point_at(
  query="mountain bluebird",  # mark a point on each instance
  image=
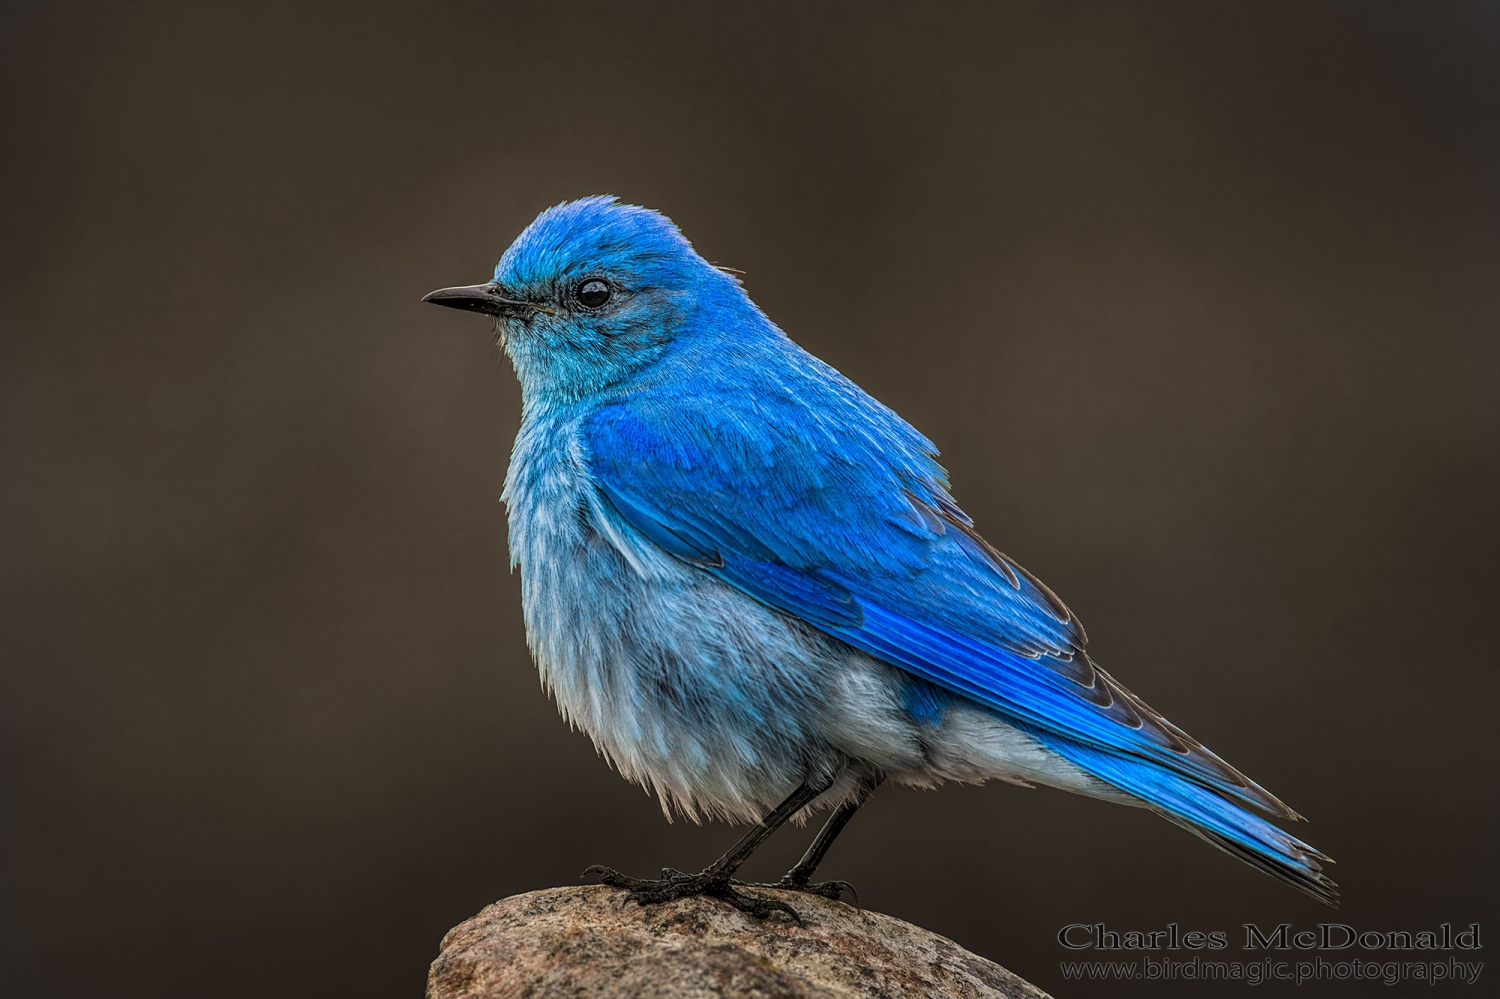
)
(747, 581)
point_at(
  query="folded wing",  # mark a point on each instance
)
(848, 525)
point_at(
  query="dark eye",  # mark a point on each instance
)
(593, 293)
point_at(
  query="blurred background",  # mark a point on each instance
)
(1199, 300)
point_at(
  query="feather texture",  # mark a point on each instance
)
(738, 565)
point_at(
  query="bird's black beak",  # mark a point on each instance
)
(485, 298)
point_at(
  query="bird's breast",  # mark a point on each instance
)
(590, 587)
(687, 685)
(544, 492)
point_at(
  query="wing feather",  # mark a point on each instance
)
(852, 530)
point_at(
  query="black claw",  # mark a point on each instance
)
(761, 908)
(611, 877)
(833, 890)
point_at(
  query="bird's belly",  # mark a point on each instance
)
(709, 699)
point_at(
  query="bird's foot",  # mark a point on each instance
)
(824, 889)
(674, 884)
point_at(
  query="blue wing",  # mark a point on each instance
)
(817, 501)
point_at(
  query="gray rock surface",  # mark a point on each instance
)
(582, 942)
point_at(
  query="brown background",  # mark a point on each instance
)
(1200, 301)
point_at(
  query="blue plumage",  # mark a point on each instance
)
(742, 575)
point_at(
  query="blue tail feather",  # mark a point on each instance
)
(1207, 815)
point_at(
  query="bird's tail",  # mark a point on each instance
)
(1205, 814)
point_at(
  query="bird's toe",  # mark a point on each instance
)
(674, 884)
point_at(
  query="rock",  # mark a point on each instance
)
(582, 942)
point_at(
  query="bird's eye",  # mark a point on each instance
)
(593, 294)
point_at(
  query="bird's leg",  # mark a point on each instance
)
(798, 878)
(717, 880)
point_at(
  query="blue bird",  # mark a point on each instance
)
(747, 581)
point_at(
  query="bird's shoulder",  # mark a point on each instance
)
(783, 453)
(759, 410)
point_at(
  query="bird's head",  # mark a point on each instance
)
(591, 291)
